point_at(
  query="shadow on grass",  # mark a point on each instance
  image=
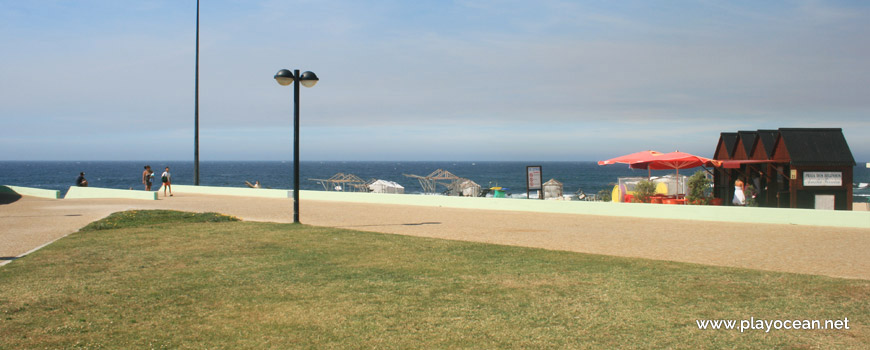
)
(9, 198)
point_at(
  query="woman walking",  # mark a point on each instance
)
(167, 182)
(147, 177)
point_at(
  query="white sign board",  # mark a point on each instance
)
(533, 177)
(823, 178)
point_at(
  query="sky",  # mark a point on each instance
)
(425, 80)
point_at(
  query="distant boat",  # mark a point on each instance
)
(863, 185)
(868, 165)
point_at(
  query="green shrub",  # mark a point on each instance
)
(606, 194)
(643, 190)
(699, 186)
(750, 193)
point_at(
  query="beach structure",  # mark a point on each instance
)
(552, 189)
(442, 177)
(468, 188)
(385, 186)
(651, 160)
(787, 167)
(343, 182)
(673, 186)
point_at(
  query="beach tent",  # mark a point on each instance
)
(384, 186)
(469, 188)
(552, 189)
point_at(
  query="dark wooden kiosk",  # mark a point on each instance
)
(788, 167)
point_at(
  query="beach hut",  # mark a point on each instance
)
(807, 168)
(725, 147)
(384, 186)
(469, 188)
(553, 189)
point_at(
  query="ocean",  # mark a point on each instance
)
(575, 176)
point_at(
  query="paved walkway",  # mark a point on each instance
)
(29, 223)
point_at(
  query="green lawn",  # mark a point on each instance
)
(159, 279)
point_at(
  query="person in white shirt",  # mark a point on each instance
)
(739, 196)
(167, 182)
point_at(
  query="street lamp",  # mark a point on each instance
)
(196, 106)
(308, 79)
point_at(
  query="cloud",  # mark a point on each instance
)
(435, 77)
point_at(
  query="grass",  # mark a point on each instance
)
(171, 280)
(153, 218)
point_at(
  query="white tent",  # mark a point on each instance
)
(384, 186)
(553, 189)
(469, 188)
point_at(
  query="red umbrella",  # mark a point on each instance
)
(674, 160)
(631, 158)
(652, 160)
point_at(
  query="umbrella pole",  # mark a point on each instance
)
(679, 185)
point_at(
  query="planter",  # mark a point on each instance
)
(716, 201)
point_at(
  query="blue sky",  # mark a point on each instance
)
(425, 80)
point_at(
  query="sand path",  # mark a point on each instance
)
(30, 222)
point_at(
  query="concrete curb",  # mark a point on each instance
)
(808, 217)
(28, 191)
(97, 192)
(232, 191)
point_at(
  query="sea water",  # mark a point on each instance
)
(576, 176)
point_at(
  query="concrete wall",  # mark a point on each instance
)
(811, 217)
(231, 191)
(97, 192)
(28, 191)
(837, 218)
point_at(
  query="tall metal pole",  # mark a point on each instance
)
(296, 146)
(196, 107)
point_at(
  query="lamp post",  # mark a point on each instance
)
(308, 79)
(196, 106)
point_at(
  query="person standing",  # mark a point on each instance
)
(80, 181)
(739, 196)
(147, 177)
(167, 182)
